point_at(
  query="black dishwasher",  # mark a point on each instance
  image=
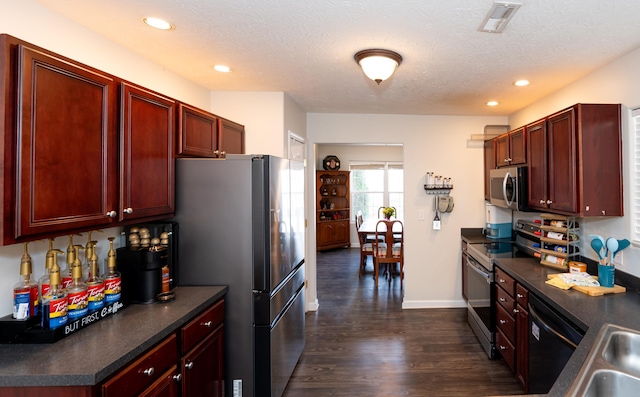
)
(552, 341)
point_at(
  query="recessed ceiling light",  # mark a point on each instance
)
(521, 83)
(492, 103)
(222, 68)
(158, 23)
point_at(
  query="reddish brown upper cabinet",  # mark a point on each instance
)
(197, 132)
(231, 138)
(60, 118)
(575, 161)
(146, 159)
(489, 164)
(511, 148)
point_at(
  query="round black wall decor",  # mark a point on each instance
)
(331, 163)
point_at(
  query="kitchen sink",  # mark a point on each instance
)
(612, 367)
(607, 383)
(623, 351)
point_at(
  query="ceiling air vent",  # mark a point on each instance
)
(499, 16)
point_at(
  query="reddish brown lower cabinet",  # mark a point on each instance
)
(512, 324)
(203, 367)
(168, 385)
(332, 234)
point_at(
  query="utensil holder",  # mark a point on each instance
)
(606, 275)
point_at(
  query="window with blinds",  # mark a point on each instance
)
(635, 188)
(376, 184)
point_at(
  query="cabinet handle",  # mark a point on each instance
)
(509, 159)
(189, 365)
(502, 300)
(549, 202)
(502, 280)
(503, 322)
(503, 347)
(111, 214)
(208, 324)
(223, 154)
(128, 210)
(520, 295)
(516, 311)
(149, 371)
(542, 202)
(506, 160)
(177, 377)
(216, 152)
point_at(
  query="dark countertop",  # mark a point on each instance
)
(94, 353)
(473, 235)
(588, 312)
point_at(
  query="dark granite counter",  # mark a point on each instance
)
(473, 235)
(94, 353)
(587, 312)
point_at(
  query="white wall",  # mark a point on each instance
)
(29, 21)
(618, 82)
(430, 143)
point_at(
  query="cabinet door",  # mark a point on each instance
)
(562, 161)
(342, 232)
(66, 146)
(518, 147)
(326, 234)
(203, 367)
(489, 164)
(537, 155)
(231, 137)
(522, 347)
(146, 161)
(197, 132)
(166, 386)
(502, 150)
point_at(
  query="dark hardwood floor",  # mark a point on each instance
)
(361, 343)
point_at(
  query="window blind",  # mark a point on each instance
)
(635, 188)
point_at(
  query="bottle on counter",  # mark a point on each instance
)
(112, 277)
(89, 248)
(95, 283)
(77, 292)
(65, 274)
(25, 292)
(54, 303)
(44, 283)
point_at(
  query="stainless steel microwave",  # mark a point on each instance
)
(508, 187)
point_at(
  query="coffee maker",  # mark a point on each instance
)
(148, 261)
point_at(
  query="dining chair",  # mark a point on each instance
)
(366, 246)
(389, 250)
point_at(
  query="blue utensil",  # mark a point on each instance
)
(598, 244)
(612, 247)
(622, 244)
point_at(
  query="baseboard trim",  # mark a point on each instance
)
(313, 306)
(420, 304)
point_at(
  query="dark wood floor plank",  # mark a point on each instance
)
(362, 343)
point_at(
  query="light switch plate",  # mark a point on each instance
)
(420, 215)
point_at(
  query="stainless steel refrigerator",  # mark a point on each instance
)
(242, 225)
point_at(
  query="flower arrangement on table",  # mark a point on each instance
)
(388, 212)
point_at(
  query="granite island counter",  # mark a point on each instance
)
(93, 354)
(587, 312)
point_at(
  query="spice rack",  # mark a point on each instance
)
(560, 240)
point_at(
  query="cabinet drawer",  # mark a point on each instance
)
(504, 299)
(144, 371)
(199, 327)
(506, 349)
(506, 323)
(522, 296)
(505, 281)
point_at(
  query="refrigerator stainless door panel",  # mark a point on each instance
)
(286, 338)
(267, 307)
(297, 212)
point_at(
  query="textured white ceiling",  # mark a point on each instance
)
(305, 47)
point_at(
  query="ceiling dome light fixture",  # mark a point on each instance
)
(158, 23)
(521, 83)
(378, 64)
(222, 68)
(492, 103)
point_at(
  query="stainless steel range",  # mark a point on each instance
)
(480, 289)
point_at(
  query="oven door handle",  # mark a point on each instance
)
(478, 268)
